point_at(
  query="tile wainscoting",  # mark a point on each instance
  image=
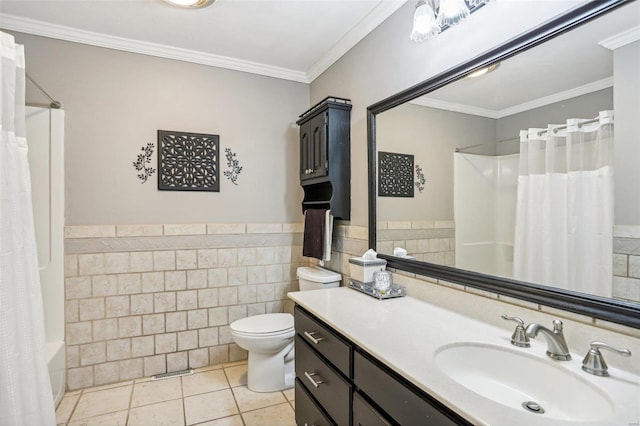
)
(150, 299)
(626, 263)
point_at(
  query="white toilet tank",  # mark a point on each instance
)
(314, 278)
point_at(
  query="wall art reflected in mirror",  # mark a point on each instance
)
(531, 168)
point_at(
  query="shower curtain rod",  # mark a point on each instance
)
(54, 104)
(482, 144)
(564, 126)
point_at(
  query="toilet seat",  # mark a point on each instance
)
(264, 325)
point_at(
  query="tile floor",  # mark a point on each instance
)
(212, 396)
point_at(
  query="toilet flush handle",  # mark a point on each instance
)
(311, 336)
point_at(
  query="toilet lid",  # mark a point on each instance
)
(266, 323)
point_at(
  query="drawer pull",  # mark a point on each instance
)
(311, 336)
(315, 383)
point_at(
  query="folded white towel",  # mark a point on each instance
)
(399, 251)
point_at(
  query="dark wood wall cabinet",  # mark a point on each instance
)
(338, 383)
(325, 156)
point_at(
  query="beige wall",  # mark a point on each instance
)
(626, 68)
(431, 136)
(116, 101)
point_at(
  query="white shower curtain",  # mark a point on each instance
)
(564, 212)
(25, 389)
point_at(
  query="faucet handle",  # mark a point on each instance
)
(519, 337)
(593, 362)
(557, 326)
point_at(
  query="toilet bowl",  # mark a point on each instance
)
(269, 338)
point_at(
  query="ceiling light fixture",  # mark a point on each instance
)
(190, 4)
(433, 16)
(484, 70)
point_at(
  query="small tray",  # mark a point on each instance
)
(368, 289)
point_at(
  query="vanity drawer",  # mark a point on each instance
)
(403, 404)
(307, 412)
(326, 385)
(364, 414)
(323, 340)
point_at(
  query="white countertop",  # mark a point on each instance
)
(405, 333)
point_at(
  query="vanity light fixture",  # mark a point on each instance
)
(433, 16)
(190, 4)
(424, 22)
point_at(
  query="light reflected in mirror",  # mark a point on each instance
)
(478, 206)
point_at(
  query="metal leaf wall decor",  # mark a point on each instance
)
(395, 173)
(188, 161)
(141, 162)
(420, 179)
(234, 166)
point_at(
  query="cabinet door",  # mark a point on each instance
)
(313, 147)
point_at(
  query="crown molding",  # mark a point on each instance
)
(378, 14)
(621, 39)
(557, 97)
(451, 106)
(45, 29)
(536, 103)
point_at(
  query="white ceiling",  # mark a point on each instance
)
(290, 39)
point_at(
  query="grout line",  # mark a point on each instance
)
(184, 405)
(130, 402)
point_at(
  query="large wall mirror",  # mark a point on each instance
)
(524, 180)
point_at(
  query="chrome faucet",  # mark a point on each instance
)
(556, 344)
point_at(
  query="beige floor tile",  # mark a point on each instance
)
(234, 363)
(293, 404)
(208, 368)
(278, 415)
(290, 394)
(249, 400)
(118, 418)
(208, 381)
(237, 375)
(168, 413)
(156, 391)
(109, 386)
(65, 408)
(209, 406)
(93, 404)
(227, 421)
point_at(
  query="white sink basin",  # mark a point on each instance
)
(513, 377)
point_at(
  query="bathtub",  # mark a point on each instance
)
(56, 364)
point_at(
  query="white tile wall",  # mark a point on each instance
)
(149, 310)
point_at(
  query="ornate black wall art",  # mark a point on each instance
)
(188, 161)
(234, 166)
(420, 179)
(395, 173)
(141, 163)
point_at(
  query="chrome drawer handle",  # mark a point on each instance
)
(315, 383)
(311, 336)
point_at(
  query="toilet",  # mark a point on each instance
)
(269, 337)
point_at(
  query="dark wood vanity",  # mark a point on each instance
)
(338, 383)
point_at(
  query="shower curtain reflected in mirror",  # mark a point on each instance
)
(564, 213)
(25, 389)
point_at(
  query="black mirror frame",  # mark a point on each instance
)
(620, 312)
